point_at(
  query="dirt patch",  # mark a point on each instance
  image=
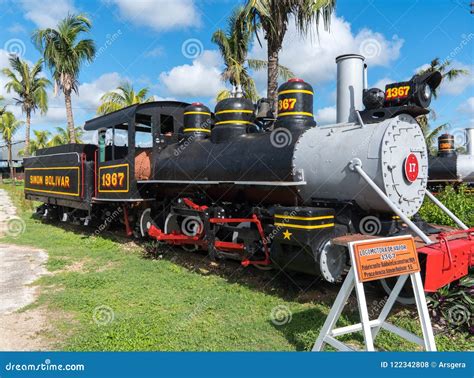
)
(81, 266)
(76, 266)
(20, 267)
(23, 331)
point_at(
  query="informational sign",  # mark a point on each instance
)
(53, 180)
(386, 257)
(114, 178)
(372, 260)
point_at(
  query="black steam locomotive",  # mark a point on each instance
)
(240, 185)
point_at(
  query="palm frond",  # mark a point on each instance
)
(222, 95)
(122, 97)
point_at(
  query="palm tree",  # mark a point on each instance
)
(122, 97)
(62, 136)
(41, 140)
(273, 17)
(234, 45)
(30, 87)
(448, 73)
(9, 125)
(431, 136)
(2, 107)
(64, 55)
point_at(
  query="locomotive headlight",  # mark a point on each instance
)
(425, 84)
(418, 91)
(427, 92)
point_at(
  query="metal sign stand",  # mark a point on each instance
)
(370, 328)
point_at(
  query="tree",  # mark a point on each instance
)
(2, 107)
(273, 17)
(233, 45)
(62, 136)
(41, 140)
(122, 97)
(431, 136)
(64, 55)
(30, 87)
(448, 73)
(8, 127)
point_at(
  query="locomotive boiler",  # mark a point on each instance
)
(238, 184)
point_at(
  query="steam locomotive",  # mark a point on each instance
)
(239, 184)
(451, 167)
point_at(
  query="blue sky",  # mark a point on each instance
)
(166, 45)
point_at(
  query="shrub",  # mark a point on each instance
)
(458, 201)
(452, 306)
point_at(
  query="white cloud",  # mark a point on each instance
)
(157, 51)
(459, 84)
(159, 14)
(4, 56)
(47, 13)
(16, 28)
(421, 68)
(90, 93)
(467, 106)
(199, 79)
(382, 83)
(313, 58)
(326, 116)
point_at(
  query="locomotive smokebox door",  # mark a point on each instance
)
(302, 242)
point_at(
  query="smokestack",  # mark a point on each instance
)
(470, 141)
(350, 86)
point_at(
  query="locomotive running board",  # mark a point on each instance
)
(208, 182)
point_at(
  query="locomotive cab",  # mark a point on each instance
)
(128, 141)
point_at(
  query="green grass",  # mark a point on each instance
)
(171, 304)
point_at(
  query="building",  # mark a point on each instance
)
(17, 159)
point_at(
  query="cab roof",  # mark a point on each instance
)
(142, 113)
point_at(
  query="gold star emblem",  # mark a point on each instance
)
(287, 234)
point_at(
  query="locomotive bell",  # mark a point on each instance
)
(197, 120)
(233, 117)
(295, 105)
(373, 98)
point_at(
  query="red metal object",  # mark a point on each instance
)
(254, 219)
(411, 168)
(193, 205)
(176, 238)
(228, 246)
(449, 259)
(128, 230)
